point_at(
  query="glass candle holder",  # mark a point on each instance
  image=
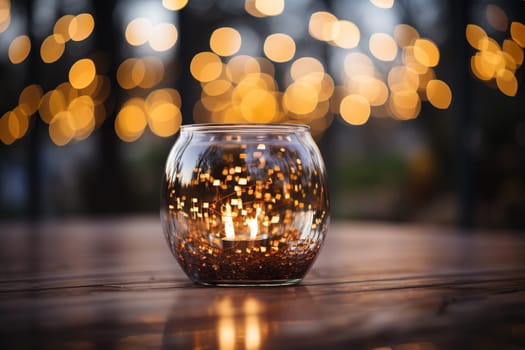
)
(245, 204)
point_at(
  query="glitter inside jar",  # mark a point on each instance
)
(244, 204)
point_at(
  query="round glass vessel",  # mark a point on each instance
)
(245, 204)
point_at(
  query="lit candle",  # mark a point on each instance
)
(242, 242)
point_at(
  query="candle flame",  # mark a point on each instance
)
(253, 224)
(229, 229)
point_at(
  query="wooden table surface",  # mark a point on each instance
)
(113, 284)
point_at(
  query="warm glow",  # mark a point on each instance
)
(82, 73)
(124, 74)
(225, 41)
(383, 47)
(405, 35)
(321, 24)
(5, 134)
(304, 66)
(138, 31)
(249, 6)
(130, 121)
(29, 99)
(238, 67)
(279, 47)
(19, 49)
(439, 94)
(162, 96)
(426, 52)
(81, 26)
(517, 31)
(82, 111)
(384, 4)
(5, 15)
(507, 82)
(164, 119)
(497, 18)
(17, 123)
(61, 128)
(163, 37)
(475, 34)
(372, 89)
(300, 98)
(322, 82)
(356, 63)
(259, 106)
(206, 66)
(345, 34)
(174, 5)
(217, 87)
(405, 104)
(409, 60)
(52, 48)
(153, 72)
(61, 28)
(514, 50)
(355, 109)
(403, 78)
(270, 7)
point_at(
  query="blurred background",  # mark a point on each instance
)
(417, 105)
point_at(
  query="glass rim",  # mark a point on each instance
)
(243, 127)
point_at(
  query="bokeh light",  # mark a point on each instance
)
(279, 47)
(270, 7)
(439, 94)
(174, 5)
(163, 37)
(138, 31)
(206, 66)
(384, 4)
(355, 109)
(81, 26)
(383, 46)
(19, 49)
(82, 73)
(517, 31)
(225, 41)
(52, 48)
(345, 34)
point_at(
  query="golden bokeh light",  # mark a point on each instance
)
(439, 94)
(517, 32)
(404, 105)
(355, 109)
(52, 48)
(17, 123)
(507, 82)
(19, 49)
(61, 128)
(217, 87)
(162, 96)
(279, 47)
(426, 52)
(82, 73)
(81, 26)
(238, 67)
(154, 72)
(82, 110)
(300, 98)
(405, 35)
(259, 106)
(131, 120)
(514, 50)
(321, 24)
(249, 7)
(163, 37)
(140, 72)
(383, 46)
(322, 82)
(357, 63)
(270, 7)
(5, 15)
(138, 31)
(206, 66)
(304, 66)
(29, 99)
(225, 41)
(345, 34)
(164, 119)
(384, 4)
(497, 18)
(475, 35)
(61, 28)
(408, 57)
(174, 5)
(5, 135)
(372, 89)
(403, 78)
